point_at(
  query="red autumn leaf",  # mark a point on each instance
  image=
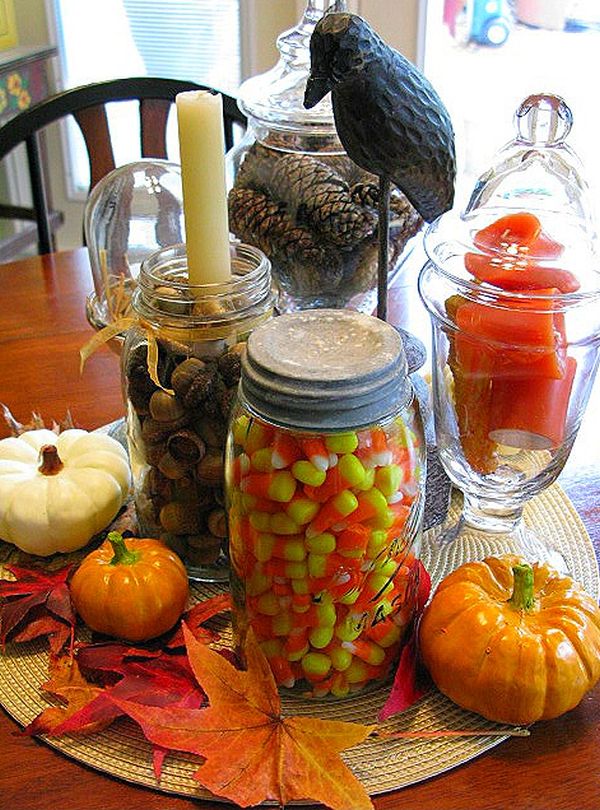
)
(110, 657)
(196, 616)
(252, 753)
(153, 678)
(45, 625)
(423, 589)
(144, 677)
(410, 683)
(37, 603)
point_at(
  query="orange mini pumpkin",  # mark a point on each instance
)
(135, 591)
(513, 642)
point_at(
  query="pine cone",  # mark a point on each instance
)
(347, 169)
(366, 193)
(256, 170)
(293, 249)
(319, 195)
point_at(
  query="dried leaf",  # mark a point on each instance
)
(67, 683)
(148, 678)
(252, 752)
(57, 631)
(36, 422)
(36, 603)
(410, 682)
(195, 618)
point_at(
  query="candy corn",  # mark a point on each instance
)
(318, 542)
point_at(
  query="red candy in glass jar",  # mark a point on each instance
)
(513, 286)
(325, 487)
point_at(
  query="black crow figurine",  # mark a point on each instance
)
(389, 119)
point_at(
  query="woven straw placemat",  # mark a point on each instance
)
(381, 764)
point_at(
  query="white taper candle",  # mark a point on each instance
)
(202, 150)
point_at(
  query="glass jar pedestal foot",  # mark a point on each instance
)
(496, 530)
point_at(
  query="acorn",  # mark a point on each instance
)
(186, 447)
(217, 523)
(230, 367)
(139, 384)
(171, 300)
(170, 467)
(212, 405)
(207, 307)
(158, 489)
(155, 431)
(210, 469)
(175, 542)
(227, 399)
(202, 549)
(164, 407)
(212, 430)
(178, 518)
(154, 452)
(184, 375)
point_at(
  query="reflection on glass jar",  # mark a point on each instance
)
(325, 500)
(181, 366)
(297, 196)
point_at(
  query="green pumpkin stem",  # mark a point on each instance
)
(123, 555)
(522, 597)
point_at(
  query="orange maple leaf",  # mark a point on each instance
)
(67, 683)
(251, 752)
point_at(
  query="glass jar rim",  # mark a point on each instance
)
(162, 276)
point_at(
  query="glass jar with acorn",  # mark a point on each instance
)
(181, 366)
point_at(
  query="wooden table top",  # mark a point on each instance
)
(42, 326)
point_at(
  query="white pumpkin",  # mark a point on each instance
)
(57, 492)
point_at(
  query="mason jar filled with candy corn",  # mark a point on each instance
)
(325, 476)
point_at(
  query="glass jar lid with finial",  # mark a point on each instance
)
(296, 195)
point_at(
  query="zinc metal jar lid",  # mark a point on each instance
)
(325, 369)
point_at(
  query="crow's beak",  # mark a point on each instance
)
(317, 88)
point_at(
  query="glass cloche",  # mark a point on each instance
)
(296, 195)
(132, 212)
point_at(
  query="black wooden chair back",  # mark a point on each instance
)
(87, 105)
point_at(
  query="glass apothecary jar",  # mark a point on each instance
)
(180, 369)
(296, 195)
(513, 290)
(325, 488)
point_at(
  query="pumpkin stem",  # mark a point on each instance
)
(123, 555)
(50, 460)
(522, 597)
